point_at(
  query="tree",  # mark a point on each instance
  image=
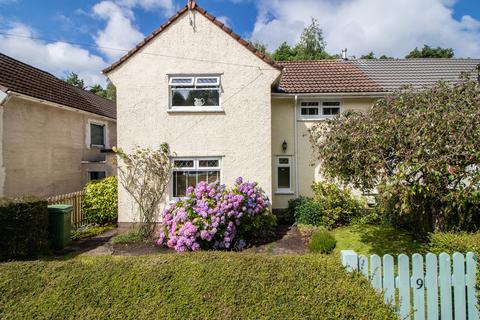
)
(98, 90)
(284, 53)
(311, 45)
(111, 92)
(369, 56)
(144, 175)
(429, 52)
(420, 148)
(74, 80)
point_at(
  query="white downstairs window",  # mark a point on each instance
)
(317, 110)
(188, 172)
(195, 93)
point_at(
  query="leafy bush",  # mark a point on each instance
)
(369, 216)
(450, 242)
(309, 212)
(422, 143)
(23, 228)
(212, 216)
(322, 241)
(188, 286)
(100, 203)
(294, 203)
(330, 206)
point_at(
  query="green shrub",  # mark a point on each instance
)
(293, 204)
(205, 285)
(330, 206)
(369, 216)
(322, 241)
(309, 212)
(258, 228)
(100, 203)
(23, 228)
(454, 242)
(89, 231)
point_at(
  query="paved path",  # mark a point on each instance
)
(290, 242)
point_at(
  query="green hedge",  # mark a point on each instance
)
(205, 285)
(100, 203)
(450, 242)
(23, 228)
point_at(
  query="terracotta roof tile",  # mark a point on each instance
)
(22, 78)
(209, 16)
(324, 76)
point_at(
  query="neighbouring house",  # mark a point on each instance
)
(52, 134)
(227, 110)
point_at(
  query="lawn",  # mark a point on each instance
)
(206, 285)
(376, 239)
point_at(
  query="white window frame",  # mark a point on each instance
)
(90, 171)
(281, 165)
(193, 84)
(88, 137)
(320, 107)
(195, 167)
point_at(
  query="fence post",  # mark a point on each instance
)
(376, 272)
(349, 260)
(418, 285)
(445, 280)
(388, 280)
(473, 312)
(458, 282)
(431, 284)
(403, 285)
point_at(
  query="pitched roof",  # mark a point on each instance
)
(363, 76)
(393, 74)
(324, 76)
(22, 78)
(191, 5)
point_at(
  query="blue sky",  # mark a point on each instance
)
(49, 27)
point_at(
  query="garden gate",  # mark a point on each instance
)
(431, 290)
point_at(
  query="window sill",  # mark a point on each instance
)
(286, 192)
(196, 110)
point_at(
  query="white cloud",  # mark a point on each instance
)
(385, 27)
(119, 33)
(58, 58)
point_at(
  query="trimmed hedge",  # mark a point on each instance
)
(100, 202)
(204, 285)
(23, 228)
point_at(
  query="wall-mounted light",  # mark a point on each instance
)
(284, 146)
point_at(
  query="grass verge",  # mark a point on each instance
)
(188, 286)
(376, 239)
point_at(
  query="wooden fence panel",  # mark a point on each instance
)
(455, 283)
(431, 284)
(471, 272)
(403, 284)
(75, 200)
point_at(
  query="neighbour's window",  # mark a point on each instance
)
(199, 92)
(96, 175)
(189, 172)
(97, 135)
(284, 175)
(319, 110)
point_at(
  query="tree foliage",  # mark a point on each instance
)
(74, 80)
(310, 47)
(421, 148)
(430, 52)
(371, 56)
(144, 175)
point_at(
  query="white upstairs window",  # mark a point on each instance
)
(195, 93)
(318, 110)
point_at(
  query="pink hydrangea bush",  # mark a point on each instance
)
(211, 215)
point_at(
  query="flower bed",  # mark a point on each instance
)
(213, 216)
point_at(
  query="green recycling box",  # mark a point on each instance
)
(59, 225)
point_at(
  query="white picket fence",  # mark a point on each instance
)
(439, 291)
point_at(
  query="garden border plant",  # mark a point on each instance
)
(213, 216)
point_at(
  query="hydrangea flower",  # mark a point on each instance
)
(210, 215)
